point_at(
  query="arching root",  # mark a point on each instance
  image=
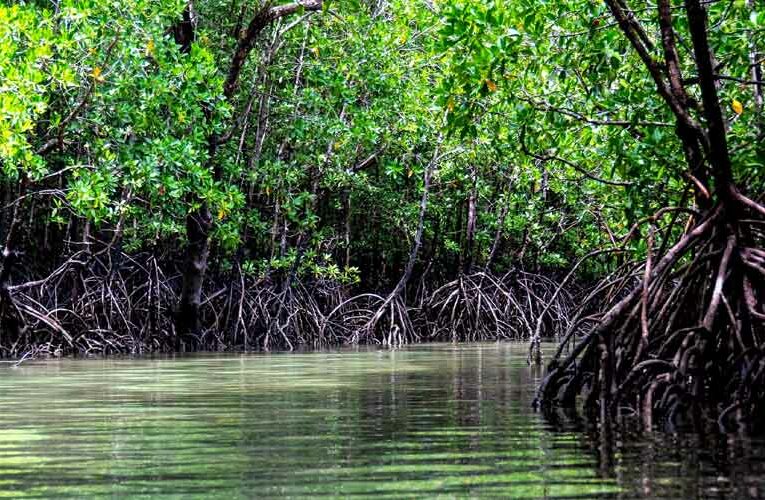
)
(481, 306)
(370, 318)
(680, 340)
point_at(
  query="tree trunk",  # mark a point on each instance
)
(719, 156)
(755, 62)
(472, 215)
(407, 275)
(10, 321)
(198, 226)
(460, 257)
(347, 232)
(199, 223)
(497, 236)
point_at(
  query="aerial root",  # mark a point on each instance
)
(110, 302)
(481, 306)
(93, 304)
(86, 306)
(90, 306)
(371, 318)
(682, 334)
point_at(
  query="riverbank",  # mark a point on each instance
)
(79, 311)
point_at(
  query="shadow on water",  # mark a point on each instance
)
(434, 420)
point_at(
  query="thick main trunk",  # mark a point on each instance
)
(198, 226)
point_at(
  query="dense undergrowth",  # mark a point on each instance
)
(93, 305)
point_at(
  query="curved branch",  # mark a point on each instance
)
(247, 38)
(569, 163)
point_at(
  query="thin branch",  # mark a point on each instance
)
(569, 163)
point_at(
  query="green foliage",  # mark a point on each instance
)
(26, 53)
(336, 117)
(563, 78)
(129, 108)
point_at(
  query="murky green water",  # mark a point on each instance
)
(437, 420)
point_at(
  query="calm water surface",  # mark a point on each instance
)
(437, 420)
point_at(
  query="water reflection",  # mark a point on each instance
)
(437, 420)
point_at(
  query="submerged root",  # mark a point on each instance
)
(680, 341)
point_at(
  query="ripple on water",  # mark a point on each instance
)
(439, 420)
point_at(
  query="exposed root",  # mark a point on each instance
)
(484, 307)
(92, 305)
(680, 340)
(87, 307)
(370, 318)
(111, 303)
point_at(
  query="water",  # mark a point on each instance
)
(434, 421)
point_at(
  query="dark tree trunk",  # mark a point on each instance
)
(198, 226)
(719, 156)
(184, 31)
(10, 321)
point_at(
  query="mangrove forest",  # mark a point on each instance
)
(581, 180)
